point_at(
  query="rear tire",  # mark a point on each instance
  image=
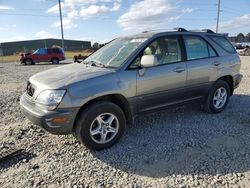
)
(218, 97)
(100, 125)
(55, 61)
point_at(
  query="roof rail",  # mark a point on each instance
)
(207, 30)
(180, 29)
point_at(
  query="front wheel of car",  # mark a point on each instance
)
(100, 125)
(28, 62)
(218, 97)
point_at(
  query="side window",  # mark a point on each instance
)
(57, 51)
(196, 47)
(172, 50)
(50, 51)
(166, 49)
(136, 63)
(41, 51)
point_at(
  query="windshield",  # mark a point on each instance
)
(116, 52)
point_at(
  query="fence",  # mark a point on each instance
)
(12, 48)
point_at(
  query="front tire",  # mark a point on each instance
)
(218, 97)
(100, 125)
(28, 62)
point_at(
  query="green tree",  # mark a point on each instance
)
(248, 37)
(95, 46)
(240, 37)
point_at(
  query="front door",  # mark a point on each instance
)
(40, 55)
(164, 83)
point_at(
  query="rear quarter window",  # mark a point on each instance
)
(224, 43)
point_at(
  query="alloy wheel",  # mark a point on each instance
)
(104, 128)
(220, 97)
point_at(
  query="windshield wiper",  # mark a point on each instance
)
(95, 64)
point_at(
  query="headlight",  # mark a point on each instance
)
(50, 97)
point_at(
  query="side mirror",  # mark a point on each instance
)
(148, 61)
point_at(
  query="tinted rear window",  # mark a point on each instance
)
(224, 43)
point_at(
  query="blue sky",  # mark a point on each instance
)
(102, 20)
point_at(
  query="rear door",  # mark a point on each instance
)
(202, 65)
(58, 52)
(49, 54)
(164, 83)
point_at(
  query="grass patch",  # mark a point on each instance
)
(10, 58)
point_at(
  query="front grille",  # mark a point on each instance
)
(30, 89)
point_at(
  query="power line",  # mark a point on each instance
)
(230, 12)
(103, 18)
(231, 9)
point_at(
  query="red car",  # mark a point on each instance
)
(53, 55)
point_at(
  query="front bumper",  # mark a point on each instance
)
(237, 79)
(44, 119)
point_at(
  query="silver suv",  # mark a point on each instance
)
(131, 75)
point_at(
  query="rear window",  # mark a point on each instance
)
(224, 43)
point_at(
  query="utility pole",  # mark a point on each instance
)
(60, 11)
(218, 17)
(45, 43)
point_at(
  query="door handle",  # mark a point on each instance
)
(216, 63)
(179, 69)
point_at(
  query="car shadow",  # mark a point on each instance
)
(185, 141)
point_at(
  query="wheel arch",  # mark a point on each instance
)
(117, 99)
(229, 80)
(28, 58)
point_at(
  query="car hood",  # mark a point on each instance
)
(60, 77)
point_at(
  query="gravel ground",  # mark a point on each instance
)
(178, 147)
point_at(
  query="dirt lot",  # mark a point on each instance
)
(178, 147)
